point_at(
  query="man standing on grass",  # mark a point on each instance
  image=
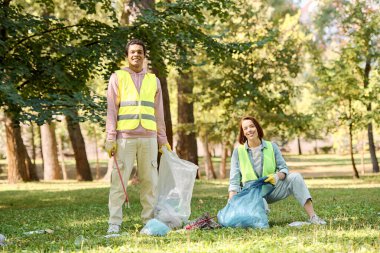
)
(135, 128)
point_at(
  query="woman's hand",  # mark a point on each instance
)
(231, 194)
(281, 175)
(273, 178)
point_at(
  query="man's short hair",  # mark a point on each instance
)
(135, 42)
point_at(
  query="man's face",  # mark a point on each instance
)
(136, 55)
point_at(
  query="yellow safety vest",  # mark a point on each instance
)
(136, 107)
(246, 168)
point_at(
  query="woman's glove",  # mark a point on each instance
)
(272, 179)
(111, 147)
(167, 145)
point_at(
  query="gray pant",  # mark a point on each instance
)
(292, 185)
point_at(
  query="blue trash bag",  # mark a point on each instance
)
(246, 209)
(155, 227)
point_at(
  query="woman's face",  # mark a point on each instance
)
(249, 130)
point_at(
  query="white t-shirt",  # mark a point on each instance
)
(256, 156)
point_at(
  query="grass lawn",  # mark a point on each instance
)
(74, 210)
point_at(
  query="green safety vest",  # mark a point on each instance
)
(136, 107)
(246, 168)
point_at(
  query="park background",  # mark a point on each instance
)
(307, 70)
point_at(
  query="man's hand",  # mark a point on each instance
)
(111, 147)
(272, 179)
(167, 145)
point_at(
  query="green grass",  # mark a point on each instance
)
(71, 209)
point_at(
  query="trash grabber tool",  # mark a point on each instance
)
(122, 182)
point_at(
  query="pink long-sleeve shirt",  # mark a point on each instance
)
(113, 103)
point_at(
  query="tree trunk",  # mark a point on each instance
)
(187, 144)
(371, 143)
(33, 143)
(97, 155)
(299, 145)
(362, 152)
(52, 170)
(20, 166)
(62, 157)
(356, 174)
(30, 146)
(165, 95)
(41, 153)
(316, 147)
(223, 161)
(209, 167)
(131, 10)
(362, 160)
(81, 163)
(372, 149)
(32, 169)
(5, 14)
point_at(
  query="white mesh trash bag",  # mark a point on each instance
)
(175, 188)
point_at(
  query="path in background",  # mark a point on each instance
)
(329, 171)
(327, 165)
(312, 166)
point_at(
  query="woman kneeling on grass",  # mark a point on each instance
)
(256, 158)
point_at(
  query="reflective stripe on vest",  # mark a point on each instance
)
(136, 107)
(246, 168)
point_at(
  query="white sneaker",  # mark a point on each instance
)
(316, 220)
(113, 229)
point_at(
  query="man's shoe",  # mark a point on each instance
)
(316, 220)
(113, 229)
